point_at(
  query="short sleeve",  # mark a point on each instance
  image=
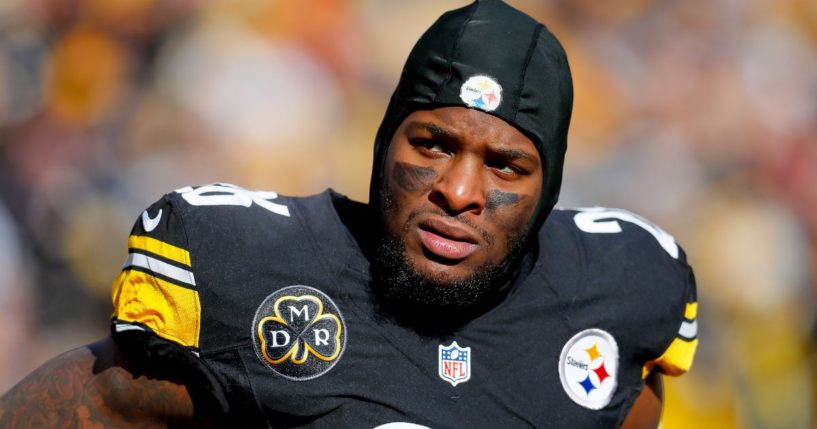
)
(156, 289)
(677, 358)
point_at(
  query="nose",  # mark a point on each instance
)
(461, 187)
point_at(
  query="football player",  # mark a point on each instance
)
(458, 296)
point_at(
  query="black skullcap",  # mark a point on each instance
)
(478, 55)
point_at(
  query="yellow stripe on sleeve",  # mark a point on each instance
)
(676, 360)
(691, 310)
(171, 311)
(160, 248)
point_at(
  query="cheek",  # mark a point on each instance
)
(499, 199)
(406, 184)
(412, 178)
(509, 211)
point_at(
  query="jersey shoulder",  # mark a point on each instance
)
(179, 242)
(635, 269)
(616, 232)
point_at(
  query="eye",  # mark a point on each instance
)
(430, 147)
(506, 169)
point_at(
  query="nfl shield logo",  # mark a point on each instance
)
(454, 363)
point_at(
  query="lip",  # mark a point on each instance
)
(447, 240)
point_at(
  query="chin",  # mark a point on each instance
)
(443, 272)
(406, 275)
(430, 284)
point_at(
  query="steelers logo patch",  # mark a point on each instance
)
(481, 92)
(588, 368)
(299, 333)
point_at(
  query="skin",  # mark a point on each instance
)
(464, 168)
(97, 386)
(646, 411)
(474, 167)
(449, 163)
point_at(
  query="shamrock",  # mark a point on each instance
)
(299, 328)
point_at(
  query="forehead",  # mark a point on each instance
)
(468, 126)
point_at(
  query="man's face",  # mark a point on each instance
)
(460, 190)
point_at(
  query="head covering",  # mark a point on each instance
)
(492, 57)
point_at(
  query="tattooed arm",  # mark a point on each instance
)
(97, 386)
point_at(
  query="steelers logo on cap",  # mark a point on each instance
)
(588, 368)
(481, 92)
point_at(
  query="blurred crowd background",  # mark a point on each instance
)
(699, 114)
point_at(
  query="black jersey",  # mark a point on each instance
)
(268, 296)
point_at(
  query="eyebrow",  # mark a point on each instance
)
(435, 130)
(514, 154)
(443, 134)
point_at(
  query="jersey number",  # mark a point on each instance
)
(600, 220)
(223, 194)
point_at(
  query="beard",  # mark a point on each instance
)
(437, 298)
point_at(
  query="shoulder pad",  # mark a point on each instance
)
(601, 220)
(156, 289)
(225, 194)
(655, 271)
